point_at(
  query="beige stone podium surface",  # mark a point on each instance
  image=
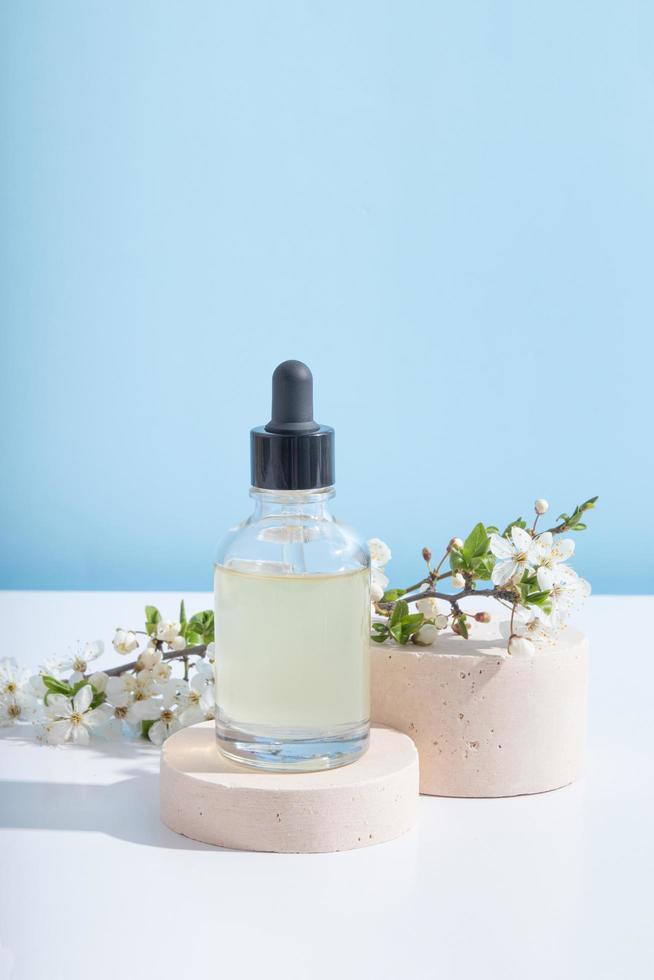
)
(211, 799)
(486, 725)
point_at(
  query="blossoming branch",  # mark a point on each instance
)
(527, 569)
(67, 701)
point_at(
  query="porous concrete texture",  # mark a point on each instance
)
(209, 798)
(486, 724)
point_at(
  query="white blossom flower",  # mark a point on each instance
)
(513, 555)
(568, 590)
(545, 555)
(22, 705)
(206, 668)
(73, 719)
(124, 641)
(210, 652)
(161, 672)
(380, 553)
(425, 635)
(12, 677)
(37, 686)
(179, 643)
(167, 630)
(199, 702)
(51, 666)
(140, 687)
(164, 711)
(149, 657)
(458, 581)
(18, 699)
(122, 699)
(541, 506)
(378, 584)
(79, 662)
(531, 623)
(429, 609)
(99, 681)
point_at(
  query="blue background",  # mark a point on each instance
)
(446, 209)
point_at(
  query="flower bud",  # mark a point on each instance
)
(376, 592)
(428, 607)
(425, 635)
(148, 658)
(483, 617)
(521, 646)
(458, 581)
(426, 554)
(541, 506)
(124, 641)
(456, 627)
(179, 643)
(455, 544)
(167, 630)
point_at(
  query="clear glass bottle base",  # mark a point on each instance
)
(284, 751)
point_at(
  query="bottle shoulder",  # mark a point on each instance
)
(297, 544)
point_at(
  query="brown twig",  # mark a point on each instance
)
(454, 600)
(198, 651)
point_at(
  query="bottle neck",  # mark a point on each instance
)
(292, 503)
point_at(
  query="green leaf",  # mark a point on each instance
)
(491, 529)
(400, 610)
(536, 598)
(413, 622)
(476, 544)
(146, 726)
(202, 623)
(380, 627)
(152, 617)
(483, 567)
(519, 522)
(463, 627)
(457, 561)
(55, 686)
(182, 613)
(392, 595)
(396, 632)
(379, 637)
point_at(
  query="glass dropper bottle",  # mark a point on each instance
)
(292, 592)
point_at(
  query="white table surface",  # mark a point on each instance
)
(557, 886)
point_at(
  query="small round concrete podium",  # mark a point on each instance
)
(211, 799)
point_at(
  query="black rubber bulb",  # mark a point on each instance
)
(292, 399)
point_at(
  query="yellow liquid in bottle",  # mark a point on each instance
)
(292, 652)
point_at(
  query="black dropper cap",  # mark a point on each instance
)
(292, 452)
